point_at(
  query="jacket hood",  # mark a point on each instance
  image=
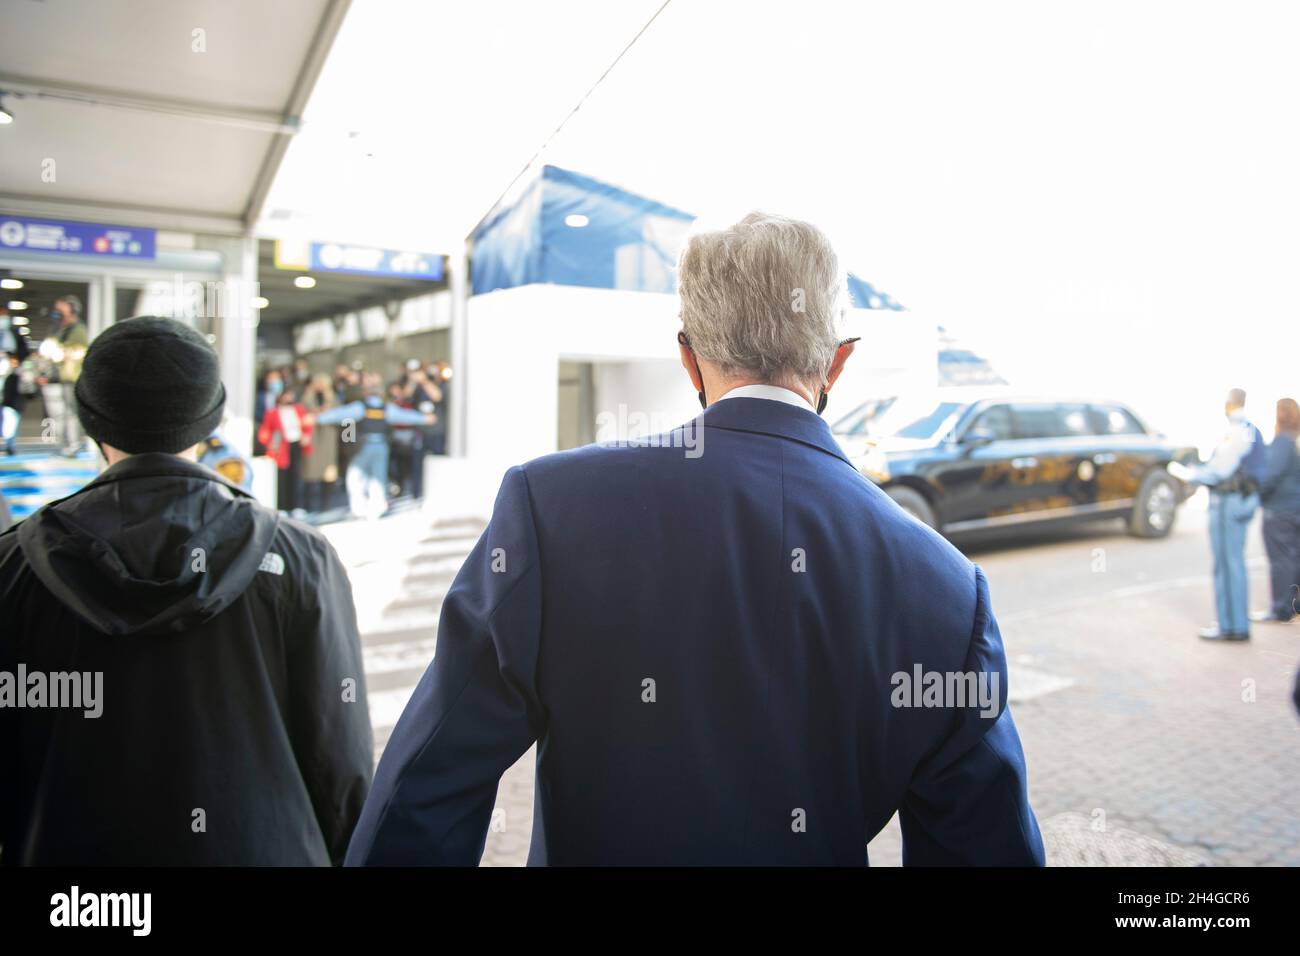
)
(155, 544)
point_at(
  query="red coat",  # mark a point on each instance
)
(271, 434)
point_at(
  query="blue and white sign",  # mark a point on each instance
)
(76, 238)
(358, 260)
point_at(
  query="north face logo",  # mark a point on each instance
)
(272, 562)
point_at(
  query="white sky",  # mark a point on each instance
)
(1103, 197)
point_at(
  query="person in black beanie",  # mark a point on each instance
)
(150, 384)
(220, 714)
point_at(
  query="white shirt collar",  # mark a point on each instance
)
(773, 393)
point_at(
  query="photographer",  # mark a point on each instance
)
(64, 351)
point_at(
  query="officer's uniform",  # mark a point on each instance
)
(367, 474)
(218, 455)
(1234, 499)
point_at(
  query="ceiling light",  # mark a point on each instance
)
(305, 282)
(11, 283)
(17, 305)
(576, 219)
(261, 302)
(20, 320)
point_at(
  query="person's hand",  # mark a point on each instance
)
(42, 380)
(430, 418)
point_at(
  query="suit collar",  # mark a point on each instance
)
(766, 417)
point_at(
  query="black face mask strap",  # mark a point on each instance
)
(683, 340)
(821, 402)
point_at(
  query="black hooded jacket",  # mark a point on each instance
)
(232, 727)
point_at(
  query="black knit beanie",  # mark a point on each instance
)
(150, 384)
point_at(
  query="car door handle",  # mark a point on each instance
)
(1024, 462)
(1107, 458)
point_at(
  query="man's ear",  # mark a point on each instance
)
(692, 367)
(837, 364)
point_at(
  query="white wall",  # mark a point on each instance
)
(516, 340)
(645, 397)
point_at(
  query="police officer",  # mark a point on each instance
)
(216, 453)
(1231, 476)
(367, 424)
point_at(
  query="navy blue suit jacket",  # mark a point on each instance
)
(705, 649)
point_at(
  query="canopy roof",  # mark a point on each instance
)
(156, 113)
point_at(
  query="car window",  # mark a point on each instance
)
(854, 423)
(1076, 420)
(861, 420)
(919, 422)
(996, 421)
(1113, 420)
(1051, 421)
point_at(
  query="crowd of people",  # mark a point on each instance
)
(53, 370)
(350, 437)
(370, 449)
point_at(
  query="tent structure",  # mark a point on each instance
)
(570, 229)
(565, 228)
(866, 296)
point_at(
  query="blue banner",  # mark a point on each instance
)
(357, 260)
(76, 238)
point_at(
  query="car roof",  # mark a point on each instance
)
(971, 394)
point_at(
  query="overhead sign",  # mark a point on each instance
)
(358, 260)
(76, 238)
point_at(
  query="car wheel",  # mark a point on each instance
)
(1156, 506)
(914, 503)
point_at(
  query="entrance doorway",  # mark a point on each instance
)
(576, 423)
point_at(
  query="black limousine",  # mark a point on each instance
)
(968, 460)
